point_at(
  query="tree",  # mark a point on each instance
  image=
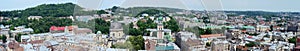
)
(114, 8)
(208, 44)
(18, 37)
(251, 44)
(125, 45)
(201, 31)
(143, 25)
(208, 31)
(172, 24)
(292, 40)
(102, 12)
(3, 38)
(135, 32)
(113, 46)
(137, 42)
(45, 10)
(152, 12)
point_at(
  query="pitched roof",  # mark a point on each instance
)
(210, 35)
(54, 28)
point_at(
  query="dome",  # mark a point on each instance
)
(99, 32)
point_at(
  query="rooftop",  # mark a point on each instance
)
(210, 35)
(115, 25)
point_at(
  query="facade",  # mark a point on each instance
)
(84, 18)
(192, 45)
(21, 30)
(220, 45)
(116, 30)
(297, 43)
(262, 28)
(1, 18)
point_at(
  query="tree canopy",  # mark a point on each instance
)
(137, 42)
(152, 12)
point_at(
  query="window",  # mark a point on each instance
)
(113, 34)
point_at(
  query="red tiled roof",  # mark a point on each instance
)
(297, 47)
(54, 28)
(210, 35)
(249, 37)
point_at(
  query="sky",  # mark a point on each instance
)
(235, 5)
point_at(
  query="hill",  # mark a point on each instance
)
(45, 10)
(49, 10)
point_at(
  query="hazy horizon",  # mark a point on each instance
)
(227, 5)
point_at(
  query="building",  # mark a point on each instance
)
(22, 30)
(192, 45)
(297, 43)
(292, 29)
(34, 17)
(14, 46)
(150, 44)
(84, 18)
(220, 45)
(155, 44)
(116, 30)
(4, 19)
(212, 36)
(188, 24)
(262, 28)
(55, 29)
(181, 37)
(70, 29)
(4, 30)
(160, 32)
(1, 18)
(82, 31)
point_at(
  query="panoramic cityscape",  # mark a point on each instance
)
(149, 25)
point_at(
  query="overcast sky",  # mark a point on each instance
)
(257, 5)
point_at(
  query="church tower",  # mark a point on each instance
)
(160, 28)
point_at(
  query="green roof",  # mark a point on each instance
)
(164, 47)
(160, 18)
(229, 27)
(248, 27)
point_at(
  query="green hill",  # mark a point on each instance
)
(45, 10)
(50, 10)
